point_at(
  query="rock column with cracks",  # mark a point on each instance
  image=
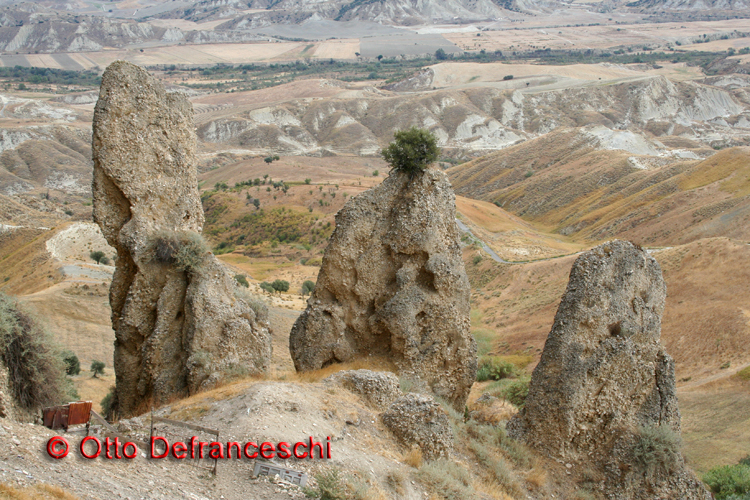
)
(180, 324)
(602, 398)
(393, 284)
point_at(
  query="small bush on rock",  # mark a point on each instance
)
(657, 449)
(186, 250)
(412, 151)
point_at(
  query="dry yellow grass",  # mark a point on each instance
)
(413, 458)
(94, 389)
(36, 492)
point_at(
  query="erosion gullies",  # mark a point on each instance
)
(603, 393)
(178, 321)
(393, 284)
(486, 119)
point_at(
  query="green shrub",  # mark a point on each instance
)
(97, 367)
(97, 256)
(494, 368)
(242, 280)
(516, 392)
(267, 287)
(280, 285)
(36, 370)
(330, 486)
(656, 449)
(729, 481)
(477, 259)
(72, 364)
(412, 151)
(744, 374)
(308, 287)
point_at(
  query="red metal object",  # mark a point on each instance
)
(63, 416)
(79, 412)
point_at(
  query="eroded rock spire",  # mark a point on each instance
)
(179, 322)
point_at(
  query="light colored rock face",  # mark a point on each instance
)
(604, 377)
(416, 419)
(393, 284)
(7, 405)
(176, 330)
(378, 388)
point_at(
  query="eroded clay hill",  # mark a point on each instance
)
(178, 321)
(393, 284)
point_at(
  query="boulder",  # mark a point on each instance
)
(416, 419)
(393, 284)
(178, 319)
(378, 388)
(603, 393)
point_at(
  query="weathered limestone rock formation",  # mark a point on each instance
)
(416, 419)
(603, 394)
(178, 322)
(393, 284)
(378, 388)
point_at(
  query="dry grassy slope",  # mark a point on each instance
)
(25, 266)
(594, 195)
(17, 214)
(511, 237)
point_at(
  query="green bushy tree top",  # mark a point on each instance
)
(411, 151)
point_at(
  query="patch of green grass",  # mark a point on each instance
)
(744, 374)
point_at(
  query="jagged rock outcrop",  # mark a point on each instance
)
(416, 419)
(378, 388)
(603, 393)
(178, 321)
(393, 284)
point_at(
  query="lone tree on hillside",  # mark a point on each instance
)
(97, 367)
(98, 256)
(412, 151)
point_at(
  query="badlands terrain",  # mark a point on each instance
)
(546, 159)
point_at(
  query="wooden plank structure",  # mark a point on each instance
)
(194, 427)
